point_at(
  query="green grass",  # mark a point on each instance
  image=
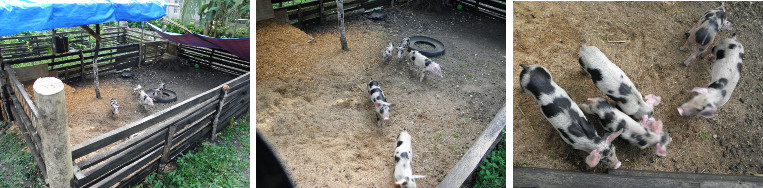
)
(492, 169)
(19, 168)
(211, 165)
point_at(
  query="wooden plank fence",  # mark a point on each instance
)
(491, 8)
(218, 60)
(25, 47)
(314, 12)
(175, 129)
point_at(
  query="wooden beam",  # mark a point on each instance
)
(91, 32)
(469, 162)
(540, 177)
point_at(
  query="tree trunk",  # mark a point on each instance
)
(95, 62)
(340, 15)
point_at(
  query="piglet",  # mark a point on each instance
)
(567, 118)
(145, 100)
(705, 31)
(611, 80)
(423, 61)
(381, 106)
(647, 133)
(387, 52)
(136, 90)
(114, 108)
(725, 76)
(403, 48)
(403, 156)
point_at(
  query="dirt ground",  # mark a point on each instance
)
(314, 109)
(90, 117)
(550, 34)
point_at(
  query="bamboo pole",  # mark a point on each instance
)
(54, 130)
(223, 95)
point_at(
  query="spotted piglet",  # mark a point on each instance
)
(611, 80)
(403, 156)
(403, 48)
(647, 133)
(567, 118)
(423, 61)
(387, 52)
(145, 100)
(114, 108)
(705, 31)
(725, 76)
(136, 90)
(382, 107)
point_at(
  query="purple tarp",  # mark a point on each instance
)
(236, 46)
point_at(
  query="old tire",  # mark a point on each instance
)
(168, 96)
(439, 48)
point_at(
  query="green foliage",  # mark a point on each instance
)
(18, 166)
(492, 171)
(211, 165)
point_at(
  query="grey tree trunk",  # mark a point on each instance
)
(95, 62)
(54, 130)
(340, 15)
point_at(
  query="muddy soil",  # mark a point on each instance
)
(90, 117)
(550, 34)
(320, 120)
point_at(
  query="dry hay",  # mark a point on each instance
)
(283, 51)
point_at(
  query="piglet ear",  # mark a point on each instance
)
(709, 112)
(592, 100)
(614, 135)
(653, 100)
(700, 90)
(645, 120)
(593, 159)
(377, 104)
(657, 127)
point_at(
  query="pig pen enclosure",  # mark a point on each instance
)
(550, 34)
(102, 154)
(313, 105)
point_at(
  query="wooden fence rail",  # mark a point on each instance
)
(492, 8)
(218, 60)
(25, 115)
(312, 12)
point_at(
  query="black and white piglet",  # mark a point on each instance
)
(705, 31)
(387, 52)
(114, 108)
(566, 117)
(403, 48)
(613, 82)
(647, 133)
(725, 76)
(382, 107)
(423, 61)
(403, 156)
(145, 100)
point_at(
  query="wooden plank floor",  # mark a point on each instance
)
(541, 177)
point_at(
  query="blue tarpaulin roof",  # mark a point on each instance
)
(39, 15)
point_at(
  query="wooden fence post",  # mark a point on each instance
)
(223, 95)
(320, 14)
(95, 62)
(340, 15)
(54, 130)
(82, 65)
(167, 147)
(140, 54)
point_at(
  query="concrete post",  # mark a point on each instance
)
(54, 130)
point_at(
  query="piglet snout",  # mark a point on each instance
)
(618, 164)
(680, 111)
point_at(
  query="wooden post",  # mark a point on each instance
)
(95, 62)
(320, 14)
(140, 54)
(167, 147)
(223, 95)
(211, 56)
(82, 65)
(299, 14)
(340, 15)
(54, 130)
(53, 42)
